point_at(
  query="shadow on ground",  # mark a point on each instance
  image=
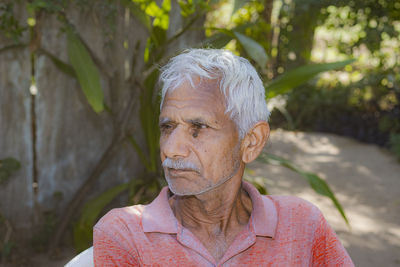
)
(365, 179)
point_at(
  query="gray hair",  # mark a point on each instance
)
(239, 83)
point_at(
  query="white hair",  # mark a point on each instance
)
(238, 81)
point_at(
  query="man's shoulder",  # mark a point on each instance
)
(294, 207)
(121, 218)
(290, 201)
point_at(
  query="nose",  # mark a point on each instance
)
(175, 144)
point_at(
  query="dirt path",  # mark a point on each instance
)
(365, 179)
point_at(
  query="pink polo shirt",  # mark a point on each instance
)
(282, 231)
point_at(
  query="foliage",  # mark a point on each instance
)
(6, 244)
(395, 144)
(363, 103)
(83, 229)
(7, 167)
(42, 235)
(237, 4)
(249, 36)
(293, 78)
(6, 250)
(328, 109)
(9, 26)
(253, 49)
(86, 71)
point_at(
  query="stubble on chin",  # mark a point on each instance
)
(184, 190)
(203, 188)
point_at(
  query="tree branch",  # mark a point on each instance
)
(12, 47)
(184, 29)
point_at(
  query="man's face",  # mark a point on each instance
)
(199, 143)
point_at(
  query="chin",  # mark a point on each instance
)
(182, 190)
(179, 190)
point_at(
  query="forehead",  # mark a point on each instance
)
(204, 100)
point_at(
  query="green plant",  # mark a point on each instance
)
(6, 245)
(316, 183)
(43, 233)
(83, 228)
(9, 26)
(85, 67)
(7, 167)
(395, 144)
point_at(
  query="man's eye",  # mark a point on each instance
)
(197, 127)
(165, 127)
(200, 126)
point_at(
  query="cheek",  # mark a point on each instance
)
(216, 156)
(163, 148)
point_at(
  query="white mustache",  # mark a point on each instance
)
(180, 164)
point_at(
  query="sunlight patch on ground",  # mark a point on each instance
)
(364, 179)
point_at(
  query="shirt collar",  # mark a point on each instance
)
(264, 215)
(158, 216)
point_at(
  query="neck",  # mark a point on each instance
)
(217, 211)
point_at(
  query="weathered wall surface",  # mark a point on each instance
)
(54, 133)
(16, 195)
(57, 126)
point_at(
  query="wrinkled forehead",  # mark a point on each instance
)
(206, 90)
(204, 100)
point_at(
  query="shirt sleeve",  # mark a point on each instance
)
(327, 249)
(108, 251)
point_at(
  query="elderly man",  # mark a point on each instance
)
(213, 122)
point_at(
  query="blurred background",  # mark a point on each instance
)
(79, 108)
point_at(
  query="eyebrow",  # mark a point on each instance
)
(197, 121)
(191, 121)
(164, 120)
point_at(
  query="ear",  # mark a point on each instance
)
(254, 141)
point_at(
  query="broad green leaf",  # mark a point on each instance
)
(7, 167)
(238, 4)
(218, 41)
(86, 71)
(253, 49)
(322, 188)
(64, 67)
(260, 186)
(316, 183)
(300, 75)
(223, 36)
(83, 229)
(256, 181)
